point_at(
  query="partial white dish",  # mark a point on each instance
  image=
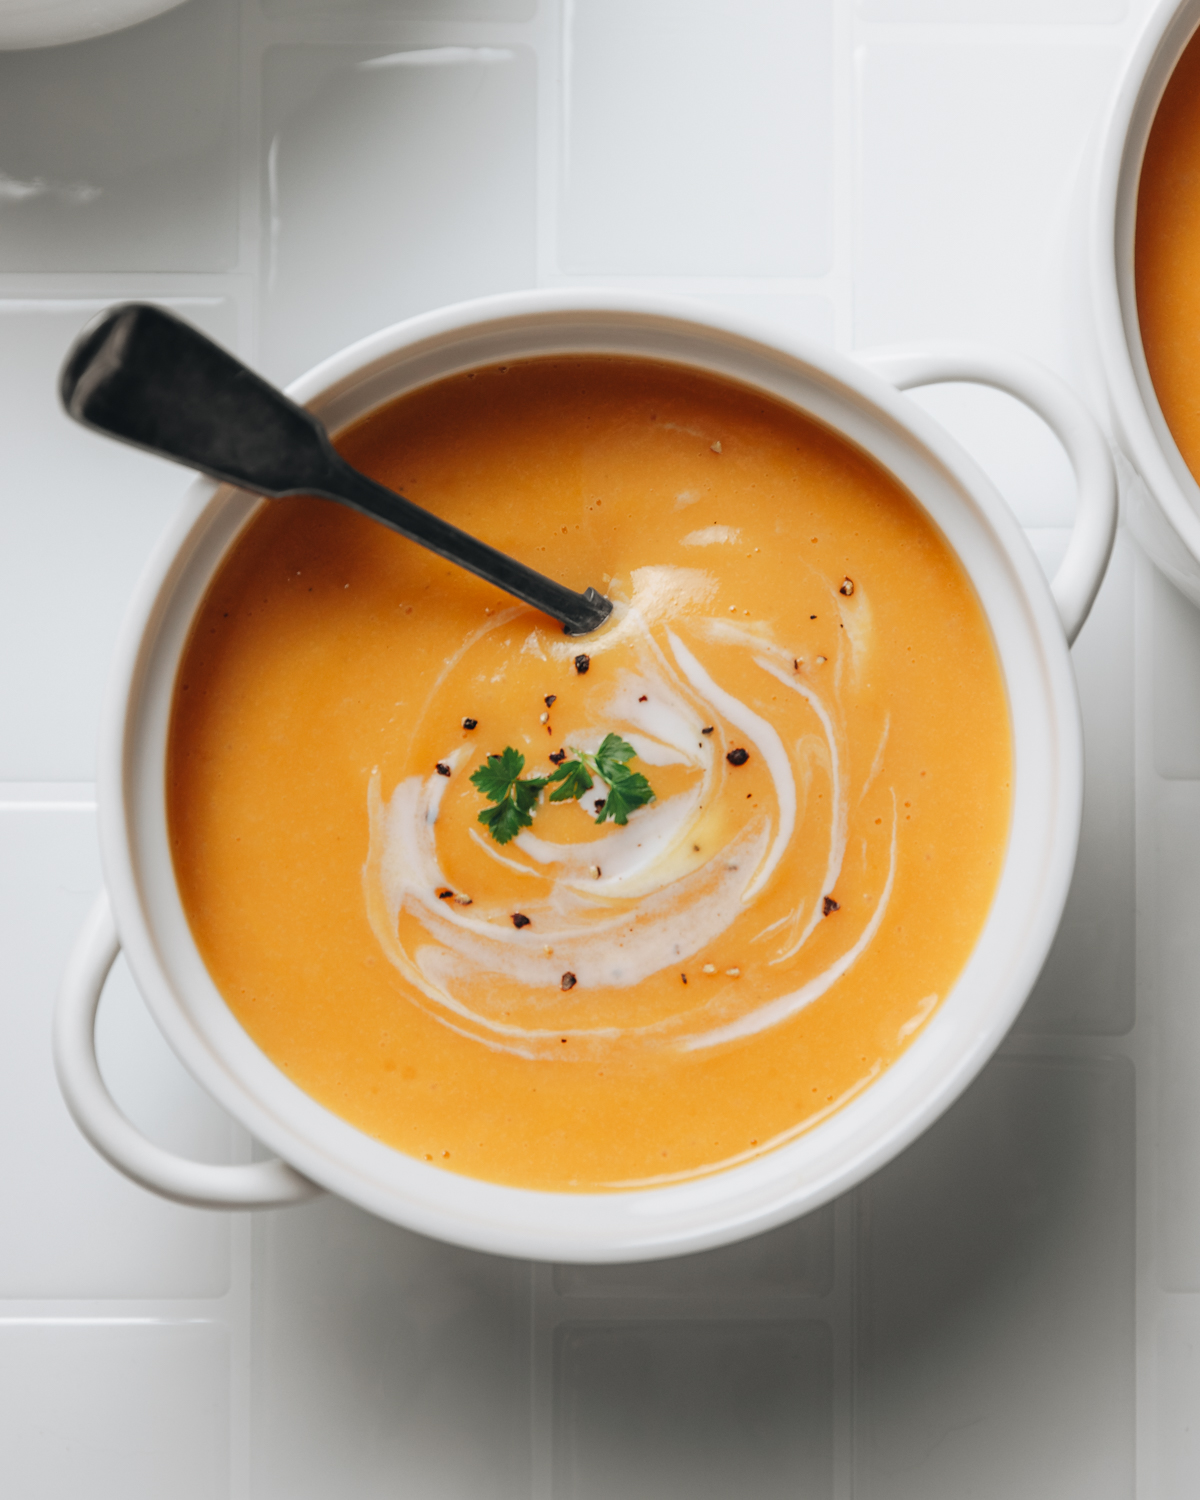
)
(50, 23)
(1161, 497)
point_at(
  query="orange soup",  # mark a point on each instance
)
(797, 675)
(1167, 255)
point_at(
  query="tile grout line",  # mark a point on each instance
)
(47, 796)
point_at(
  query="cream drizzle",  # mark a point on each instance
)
(770, 746)
(659, 900)
(786, 1006)
(837, 832)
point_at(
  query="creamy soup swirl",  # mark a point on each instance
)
(617, 905)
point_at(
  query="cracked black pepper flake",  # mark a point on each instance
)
(519, 919)
(599, 803)
(812, 617)
(550, 699)
(470, 723)
(445, 893)
(568, 982)
(684, 978)
(738, 757)
(442, 768)
(847, 587)
(582, 662)
(831, 905)
(558, 756)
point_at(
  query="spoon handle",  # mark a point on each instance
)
(140, 374)
(579, 613)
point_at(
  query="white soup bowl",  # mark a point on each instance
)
(1031, 625)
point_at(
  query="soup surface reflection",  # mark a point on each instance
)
(796, 664)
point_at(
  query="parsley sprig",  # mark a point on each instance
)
(627, 789)
(499, 779)
(513, 796)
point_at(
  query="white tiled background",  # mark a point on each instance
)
(1012, 1308)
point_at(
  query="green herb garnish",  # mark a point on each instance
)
(500, 781)
(573, 780)
(627, 789)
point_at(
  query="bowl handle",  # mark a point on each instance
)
(1079, 576)
(267, 1184)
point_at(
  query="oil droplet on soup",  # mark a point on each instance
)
(809, 685)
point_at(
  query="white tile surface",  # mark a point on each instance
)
(1003, 11)
(402, 177)
(120, 154)
(1177, 1432)
(80, 517)
(693, 1411)
(1176, 684)
(73, 1228)
(1177, 972)
(386, 1361)
(962, 227)
(114, 1411)
(1170, 901)
(1015, 449)
(1088, 985)
(782, 314)
(998, 1287)
(697, 140)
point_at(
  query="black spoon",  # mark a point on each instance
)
(146, 377)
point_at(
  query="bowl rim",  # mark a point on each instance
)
(728, 1204)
